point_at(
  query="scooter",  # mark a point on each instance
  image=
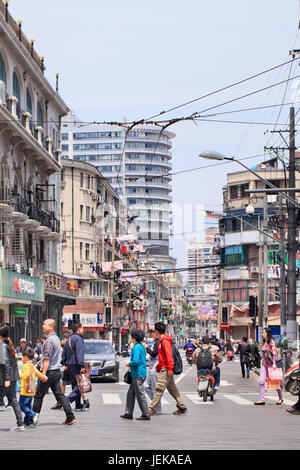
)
(292, 379)
(230, 356)
(205, 386)
(189, 356)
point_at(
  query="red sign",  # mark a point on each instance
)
(225, 326)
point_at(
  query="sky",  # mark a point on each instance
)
(136, 58)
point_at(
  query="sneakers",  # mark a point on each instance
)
(180, 411)
(126, 416)
(34, 420)
(19, 427)
(57, 406)
(2, 408)
(86, 404)
(293, 411)
(69, 421)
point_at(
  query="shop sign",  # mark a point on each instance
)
(21, 286)
(20, 312)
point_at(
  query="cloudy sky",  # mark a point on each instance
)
(135, 58)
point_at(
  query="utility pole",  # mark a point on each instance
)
(260, 297)
(112, 283)
(282, 270)
(265, 265)
(291, 323)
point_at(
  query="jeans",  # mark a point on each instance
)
(75, 394)
(137, 391)
(247, 365)
(53, 382)
(10, 393)
(26, 406)
(150, 384)
(264, 372)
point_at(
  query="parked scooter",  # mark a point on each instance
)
(206, 386)
(292, 379)
(189, 356)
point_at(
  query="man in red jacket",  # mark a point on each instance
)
(164, 369)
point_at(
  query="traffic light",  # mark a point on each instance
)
(224, 314)
(252, 306)
(107, 314)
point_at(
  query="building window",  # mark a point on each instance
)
(87, 213)
(81, 212)
(39, 115)
(80, 249)
(16, 87)
(28, 102)
(64, 136)
(233, 192)
(65, 147)
(81, 180)
(2, 70)
(87, 251)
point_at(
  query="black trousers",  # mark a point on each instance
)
(10, 393)
(53, 382)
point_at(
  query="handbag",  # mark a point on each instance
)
(127, 377)
(276, 375)
(84, 383)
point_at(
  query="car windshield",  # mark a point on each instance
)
(98, 348)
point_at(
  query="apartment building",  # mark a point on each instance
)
(31, 284)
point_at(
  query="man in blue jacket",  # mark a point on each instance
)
(73, 358)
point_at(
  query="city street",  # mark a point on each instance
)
(230, 422)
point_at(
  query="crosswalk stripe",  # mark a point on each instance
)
(194, 397)
(285, 401)
(238, 399)
(111, 399)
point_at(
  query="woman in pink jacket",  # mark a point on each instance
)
(268, 351)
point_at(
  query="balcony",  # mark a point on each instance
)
(23, 126)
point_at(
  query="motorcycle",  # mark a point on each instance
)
(230, 356)
(205, 386)
(189, 356)
(292, 379)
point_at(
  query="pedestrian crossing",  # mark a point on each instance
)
(247, 399)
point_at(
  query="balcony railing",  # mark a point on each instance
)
(35, 129)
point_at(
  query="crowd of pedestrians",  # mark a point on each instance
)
(58, 363)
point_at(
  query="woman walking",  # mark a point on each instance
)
(138, 372)
(268, 351)
(8, 383)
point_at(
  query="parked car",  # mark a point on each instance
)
(101, 357)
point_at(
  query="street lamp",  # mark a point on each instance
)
(211, 155)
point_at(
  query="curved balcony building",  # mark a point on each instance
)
(138, 170)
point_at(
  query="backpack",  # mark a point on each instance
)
(31, 382)
(177, 369)
(205, 360)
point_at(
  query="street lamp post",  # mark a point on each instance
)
(292, 246)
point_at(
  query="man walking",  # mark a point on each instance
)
(150, 382)
(164, 368)
(50, 366)
(73, 358)
(244, 350)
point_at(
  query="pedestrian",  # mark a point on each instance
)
(151, 379)
(23, 344)
(73, 358)
(164, 368)
(244, 350)
(14, 371)
(138, 372)
(8, 379)
(269, 352)
(216, 358)
(50, 366)
(28, 386)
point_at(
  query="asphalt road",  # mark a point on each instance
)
(230, 422)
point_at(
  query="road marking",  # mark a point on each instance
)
(224, 383)
(194, 397)
(180, 377)
(237, 399)
(111, 399)
(285, 401)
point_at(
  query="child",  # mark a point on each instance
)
(28, 386)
